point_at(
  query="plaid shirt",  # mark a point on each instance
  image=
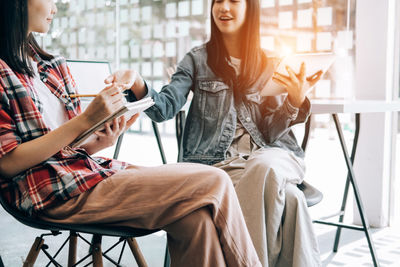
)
(63, 176)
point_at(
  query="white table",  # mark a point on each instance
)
(353, 106)
(357, 107)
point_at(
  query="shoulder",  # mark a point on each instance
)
(5, 70)
(58, 62)
(200, 48)
(58, 66)
(199, 51)
(194, 58)
(9, 79)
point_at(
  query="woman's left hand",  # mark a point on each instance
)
(297, 85)
(109, 135)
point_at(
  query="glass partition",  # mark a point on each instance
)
(153, 35)
(309, 26)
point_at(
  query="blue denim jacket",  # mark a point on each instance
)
(211, 120)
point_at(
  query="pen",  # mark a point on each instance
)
(83, 95)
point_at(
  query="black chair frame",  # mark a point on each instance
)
(98, 230)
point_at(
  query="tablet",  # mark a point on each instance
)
(314, 63)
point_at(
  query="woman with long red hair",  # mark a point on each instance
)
(231, 126)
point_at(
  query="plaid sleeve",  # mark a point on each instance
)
(8, 137)
(76, 100)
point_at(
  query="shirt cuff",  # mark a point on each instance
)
(305, 108)
(291, 110)
(131, 97)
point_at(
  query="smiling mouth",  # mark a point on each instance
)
(225, 18)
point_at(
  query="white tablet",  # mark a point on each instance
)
(314, 63)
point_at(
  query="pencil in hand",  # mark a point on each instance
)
(80, 95)
(84, 95)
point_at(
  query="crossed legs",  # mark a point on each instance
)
(195, 204)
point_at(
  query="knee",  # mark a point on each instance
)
(266, 160)
(217, 176)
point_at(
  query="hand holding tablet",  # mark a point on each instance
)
(313, 63)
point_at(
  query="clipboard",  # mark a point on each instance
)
(314, 62)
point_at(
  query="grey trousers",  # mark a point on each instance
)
(195, 204)
(274, 208)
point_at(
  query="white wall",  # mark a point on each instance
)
(375, 22)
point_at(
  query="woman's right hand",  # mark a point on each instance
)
(128, 79)
(109, 100)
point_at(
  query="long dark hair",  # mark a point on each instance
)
(15, 42)
(253, 59)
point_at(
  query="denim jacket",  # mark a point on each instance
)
(212, 117)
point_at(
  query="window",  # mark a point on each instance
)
(154, 35)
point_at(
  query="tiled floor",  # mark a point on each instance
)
(354, 250)
(16, 239)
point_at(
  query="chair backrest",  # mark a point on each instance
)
(89, 75)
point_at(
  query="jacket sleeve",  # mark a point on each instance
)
(173, 96)
(279, 115)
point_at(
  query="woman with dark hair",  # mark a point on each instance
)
(229, 125)
(43, 176)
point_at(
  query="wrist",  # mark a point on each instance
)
(83, 121)
(296, 101)
(139, 88)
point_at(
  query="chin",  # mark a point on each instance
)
(43, 30)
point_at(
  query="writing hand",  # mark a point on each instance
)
(104, 104)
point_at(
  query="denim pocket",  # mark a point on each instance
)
(209, 112)
(213, 86)
(214, 97)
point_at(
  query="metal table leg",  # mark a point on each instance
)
(351, 178)
(346, 188)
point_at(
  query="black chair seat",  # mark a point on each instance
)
(101, 229)
(313, 195)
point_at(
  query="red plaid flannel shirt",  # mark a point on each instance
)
(65, 175)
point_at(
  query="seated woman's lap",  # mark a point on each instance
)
(285, 164)
(145, 197)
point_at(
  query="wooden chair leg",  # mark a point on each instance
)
(133, 245)
(96, 251)
(73, 240)
(33, 252)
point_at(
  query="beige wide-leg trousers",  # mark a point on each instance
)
(274, 208)
(195, 204)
